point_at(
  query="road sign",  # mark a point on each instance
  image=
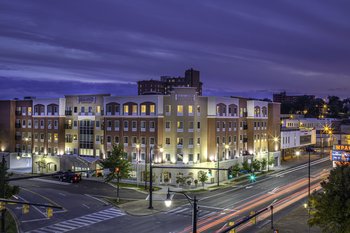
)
(49, 212)
(25, 209)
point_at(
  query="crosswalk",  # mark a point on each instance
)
(79, 222)
(182, 210)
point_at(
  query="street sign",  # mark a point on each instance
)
(49, 212)
(25, 209)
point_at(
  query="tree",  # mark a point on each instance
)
(235, 169)
(330, 208)
(119, 166)
(256, 165)
(202, 177)
(6, 190)
(263, 164)
(246, 166)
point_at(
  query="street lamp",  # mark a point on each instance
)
(218, 164)
(137, 163)
(150, 206)
(193, 202)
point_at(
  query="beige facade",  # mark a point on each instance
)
(182, 129)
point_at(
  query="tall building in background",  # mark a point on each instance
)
(166, 84)
(289, 99)
(182, 129)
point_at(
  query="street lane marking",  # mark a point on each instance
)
(86, 206)
(104, 202)
(51, 181)
(79, 222)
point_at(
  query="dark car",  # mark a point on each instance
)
(70, 177)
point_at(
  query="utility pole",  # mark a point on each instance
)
(3, 191)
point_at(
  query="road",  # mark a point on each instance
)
(83, 212)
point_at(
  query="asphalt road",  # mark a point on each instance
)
(84, 213)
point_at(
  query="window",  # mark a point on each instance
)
(109, 140)
(29, 123)
(49, 137)
(126, 140)
(97, 124)
(82, 109)
(218, 125)
(152, 108)
(75, 124)
(134, 140)
(134, 125)
(143, 125)
(55, 137)
(167, 141)
(180, 110)
(126, 125)
(198, 141)
(151, 141)
(143, 141)
(190, 126)
(167, 125)
(180, 141)
(90, 109)
(41, 124)
(190, 157)
(29, 111)
(167, 157)
(126, 109)
(217, 140)
(116, 125)
(198, 125)
(134, 109)
(55, 124)
(198, 109)
(75, 109)
(190, 110)
(168, 109)
(180, 125)
(143, 109)
(190, 141)
(152, 125)
(98, 109)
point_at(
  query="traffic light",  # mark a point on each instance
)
(2, 205)
(229, 174)
(49, 212)
(209, 172)
(232, 224)
(252, 177)
(25, 209)
(252, 220)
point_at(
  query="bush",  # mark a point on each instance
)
(166, 180)
(189, 182)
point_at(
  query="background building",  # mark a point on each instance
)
(167, 84)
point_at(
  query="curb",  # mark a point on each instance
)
(19, 230)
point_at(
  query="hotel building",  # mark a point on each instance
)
(182, 129)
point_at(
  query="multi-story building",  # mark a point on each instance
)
(182, 129)
(166, 84)
(289, 99)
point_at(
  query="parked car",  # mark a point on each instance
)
(70, 177)
(57, 174)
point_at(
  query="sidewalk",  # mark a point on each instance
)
(295, 221)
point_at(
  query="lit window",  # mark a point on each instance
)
(180, 109)
(126, 109)
(143, 109)
(152, 108)
(134, 109)
(190, 109)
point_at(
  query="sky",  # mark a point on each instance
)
(248, 48)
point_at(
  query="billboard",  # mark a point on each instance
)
(340, 156)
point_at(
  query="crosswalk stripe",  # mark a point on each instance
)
(75, 223)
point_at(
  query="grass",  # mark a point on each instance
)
(114, 201)
(139, 187)
(10, 226)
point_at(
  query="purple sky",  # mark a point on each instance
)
(246, 48)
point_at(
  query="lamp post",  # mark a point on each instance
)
(146, 169)
(137, 164)
(3, 191)
(193, 202)
(150, 205)
(218, 165)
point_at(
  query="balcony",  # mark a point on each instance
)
(68, 112)
(18, 125)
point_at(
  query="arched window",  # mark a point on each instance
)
(221, 109)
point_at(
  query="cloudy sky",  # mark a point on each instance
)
(246, 48)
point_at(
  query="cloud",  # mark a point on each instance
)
(239, 46)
